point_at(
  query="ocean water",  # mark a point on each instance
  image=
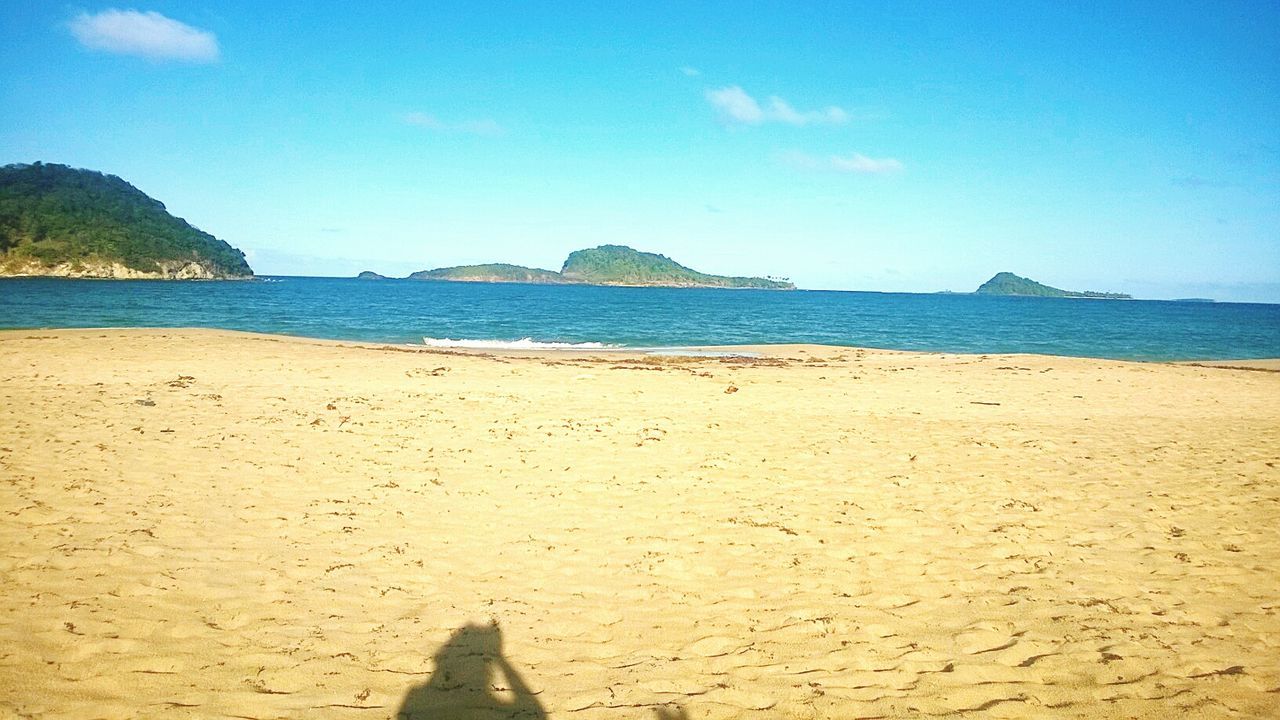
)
(403, 311)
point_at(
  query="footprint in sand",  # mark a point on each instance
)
(984, 641)
(715, 646)
(680, 686)
(741, 699)
(894, 602)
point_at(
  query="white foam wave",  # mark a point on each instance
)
(521, 344)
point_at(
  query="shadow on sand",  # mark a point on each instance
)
(474, 681)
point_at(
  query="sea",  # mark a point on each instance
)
(445, 314)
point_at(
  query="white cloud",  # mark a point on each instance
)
(147, 34)
(859, 163)
(779, 109)
(690, 71)
(484, 126)
(855, 163)
(736, 105)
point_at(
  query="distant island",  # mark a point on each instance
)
(1007, 283)
(370, 275)
(603, 265)
(490, 273)
(66, 222)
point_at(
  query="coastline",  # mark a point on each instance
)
(224, 523)
(796, 351)
(481, 281)
(113, 270)
(1262, 364)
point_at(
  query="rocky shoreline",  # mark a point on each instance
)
(189, 270)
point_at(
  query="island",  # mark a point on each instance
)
(603, 265)
(61, 221)
(371, 275)
(1006, 283)
(490, 273)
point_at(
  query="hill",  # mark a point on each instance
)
(621, 265)
(603, 265)
(371, 275)
(1006, 283)
(63, 221)
(491, 273)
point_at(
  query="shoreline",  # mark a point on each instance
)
(709, 351)
(1256, 365)
(147, 277)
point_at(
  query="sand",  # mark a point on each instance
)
(212, 524)
(1269, 365)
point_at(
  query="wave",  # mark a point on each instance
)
(521, 344)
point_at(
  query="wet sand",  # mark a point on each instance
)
(214, 524)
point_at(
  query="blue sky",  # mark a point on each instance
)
(898, 146)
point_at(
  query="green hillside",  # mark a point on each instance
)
(53, 215)
(1006, 283)
(492, 272)
(621, 265)
(604, 265)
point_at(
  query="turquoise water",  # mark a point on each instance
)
(404, 311)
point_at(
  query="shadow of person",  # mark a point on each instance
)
(472, 681)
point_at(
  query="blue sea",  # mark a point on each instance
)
(462, 314)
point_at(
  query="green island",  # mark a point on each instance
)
(491, 273)
(1006, 283)
(603, 265)
(67, 222)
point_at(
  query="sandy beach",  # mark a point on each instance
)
(213, 524)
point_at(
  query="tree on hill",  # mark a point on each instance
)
(619, 264)
(1006, 283)
(54, 214)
